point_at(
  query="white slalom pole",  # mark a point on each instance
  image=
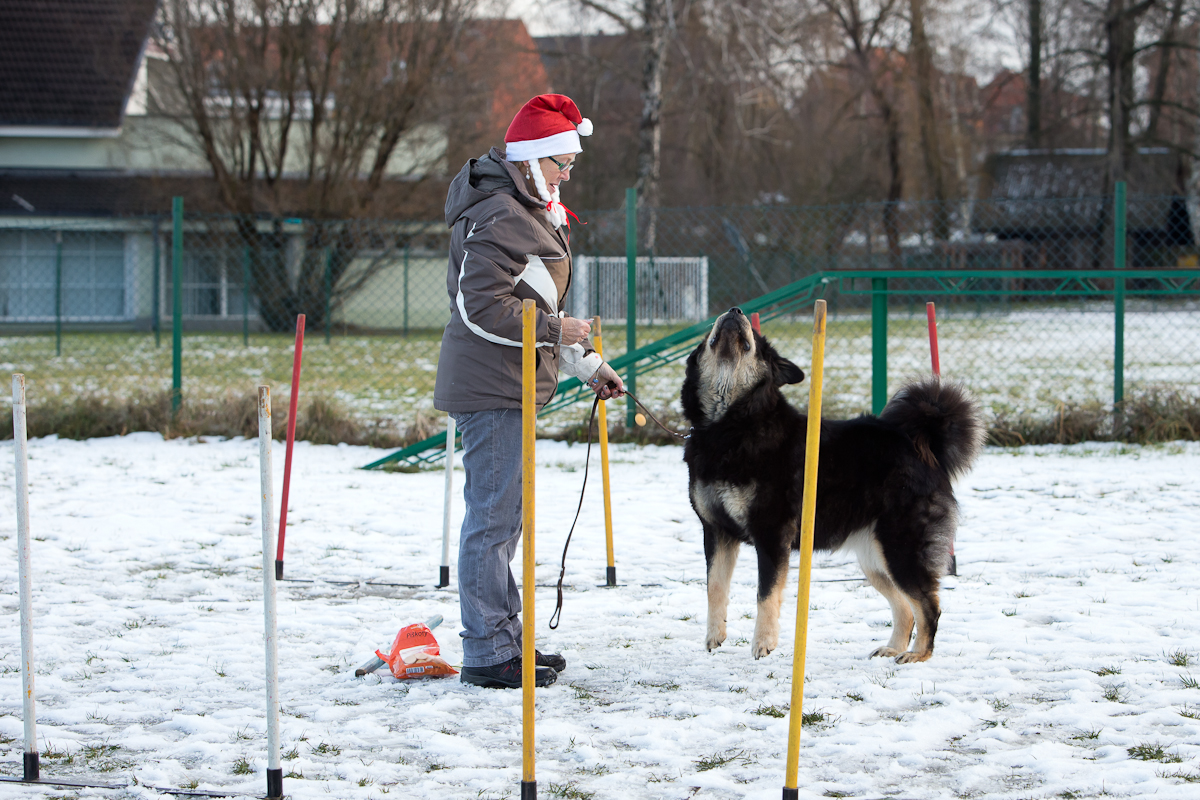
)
(24, 578)
(444, 573)
(274, 765)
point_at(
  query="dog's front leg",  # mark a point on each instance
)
(772, 578)
(721, 553)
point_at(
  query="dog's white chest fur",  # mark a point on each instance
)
(724, 384)
(712, 497)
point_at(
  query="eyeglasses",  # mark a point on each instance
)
(561, 166)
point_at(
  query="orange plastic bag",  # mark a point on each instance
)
(415, 654)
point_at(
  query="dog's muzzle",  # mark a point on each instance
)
(732, 328)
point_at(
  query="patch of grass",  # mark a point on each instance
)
(91, 751)
(666, 686)
(1189, 682)
(1189, 777)
(325, 748)
(1115, 693)
(243, 767)
(569, 790)
(1152, 752)
(816, 718)
(293, 754)
(720, 759)
(1089, 735)
(192, 784)
(998, 705)
(1107, 671)
(855, 696)
(1180, 658)
(1189, 712)
(320, 420)
(778, 712)
(64, 755)
(1153, 416)
(293, 774)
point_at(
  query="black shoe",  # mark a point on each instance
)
(506, 675)
(552, 660)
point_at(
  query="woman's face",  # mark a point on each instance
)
(553, 172)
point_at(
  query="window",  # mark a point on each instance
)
(93, 276)
(213, 282)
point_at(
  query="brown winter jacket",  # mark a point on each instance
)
(502, 251)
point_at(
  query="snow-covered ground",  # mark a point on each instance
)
(1064, 663)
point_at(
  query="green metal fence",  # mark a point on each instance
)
(1040, 302)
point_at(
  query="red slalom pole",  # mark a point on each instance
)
(933, 345)
(291, 440)
(754, 323)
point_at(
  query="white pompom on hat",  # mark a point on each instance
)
(548, 125)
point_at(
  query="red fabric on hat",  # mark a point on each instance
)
(544, 115)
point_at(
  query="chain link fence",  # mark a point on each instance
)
(88, 306)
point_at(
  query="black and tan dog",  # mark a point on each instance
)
(883, 485)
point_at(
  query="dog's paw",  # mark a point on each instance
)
(885, 652)
(716, 636)
(761, 650)
(913, 658)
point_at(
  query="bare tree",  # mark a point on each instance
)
(653, 21)
(922, 56)
(867, 40)
(1033, 94)
(304, 106)
(1120, 28)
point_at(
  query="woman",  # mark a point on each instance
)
(508, 244)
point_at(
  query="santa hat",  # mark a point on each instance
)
(548, 125)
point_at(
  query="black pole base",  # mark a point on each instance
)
(274, 784)
(528, 790)
(278, 569)
(953, 565)
(611, 575)
(443, 576)
(791, 794)
(33, 770)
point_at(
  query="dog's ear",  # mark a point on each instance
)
(786, 372)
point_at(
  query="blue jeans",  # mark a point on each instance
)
(489, 602)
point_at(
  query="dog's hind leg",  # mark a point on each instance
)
(772, 578)
(902, 615)
(721, 553)
(875, 566)
(928, 611)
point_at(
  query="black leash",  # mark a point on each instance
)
(556, 617)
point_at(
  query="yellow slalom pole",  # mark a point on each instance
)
(808, 514)
(528, 421)
(611, 575)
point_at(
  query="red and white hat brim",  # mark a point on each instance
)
(560, 144)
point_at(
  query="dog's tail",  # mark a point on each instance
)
(943, 420)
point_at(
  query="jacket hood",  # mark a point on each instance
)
(482, 177)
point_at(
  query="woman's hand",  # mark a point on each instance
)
(574, 330)
(606, 382)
